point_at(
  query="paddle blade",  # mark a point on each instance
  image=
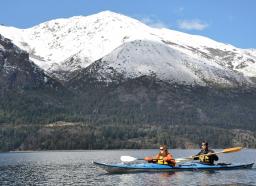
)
(234, 149)
(179, 160)
(127, 158)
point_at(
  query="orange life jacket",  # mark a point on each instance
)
(170, 161)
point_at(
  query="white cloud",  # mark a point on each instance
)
(192, 24)
(153, 22)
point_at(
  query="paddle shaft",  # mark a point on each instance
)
(157, 159)
(209, 154)
(133, 158)
(228, 150)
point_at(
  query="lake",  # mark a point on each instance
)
(76, 168)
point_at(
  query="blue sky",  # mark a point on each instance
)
(228, 21)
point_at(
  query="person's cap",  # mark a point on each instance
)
(163, 147)
(205, 143)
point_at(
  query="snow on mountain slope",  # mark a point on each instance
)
(140, 57)
(200, 47)
(52, 43)
(65, 45)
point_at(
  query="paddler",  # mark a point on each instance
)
(163, 157)
(203, 158)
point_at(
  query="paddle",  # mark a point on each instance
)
(129, 158)
(227, 150)
(178, 160)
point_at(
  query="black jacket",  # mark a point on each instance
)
(207, 159)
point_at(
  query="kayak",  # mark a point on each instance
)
(152, 167)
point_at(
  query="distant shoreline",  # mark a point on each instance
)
(32, 151)
(82, 150)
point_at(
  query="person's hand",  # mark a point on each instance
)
(148, 158)
(168, 158)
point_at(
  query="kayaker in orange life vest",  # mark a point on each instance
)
(163, 157)
(208, 159)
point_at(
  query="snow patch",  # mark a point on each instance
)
(45, 79)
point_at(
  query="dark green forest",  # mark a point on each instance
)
(138, 113)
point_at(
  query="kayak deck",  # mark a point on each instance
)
(151, 167)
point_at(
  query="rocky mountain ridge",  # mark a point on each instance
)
(62, 46)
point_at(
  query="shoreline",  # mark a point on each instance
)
(82, 150)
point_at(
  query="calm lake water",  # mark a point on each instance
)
(76, 168)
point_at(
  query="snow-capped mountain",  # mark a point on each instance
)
(132, 48)
(120, 73)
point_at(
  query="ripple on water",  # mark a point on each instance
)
(75, 168)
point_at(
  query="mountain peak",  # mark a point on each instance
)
(74, 43)
(108, 13)
(104, 16)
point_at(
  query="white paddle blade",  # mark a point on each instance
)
(178, 160)
(127, 158)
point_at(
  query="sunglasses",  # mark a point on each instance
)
(161, 149)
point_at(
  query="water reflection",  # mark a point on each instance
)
(167, 174)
